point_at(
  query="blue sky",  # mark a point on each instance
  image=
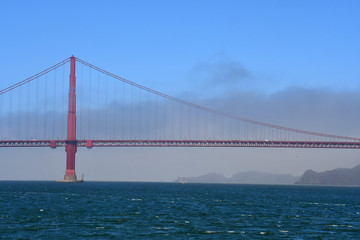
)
(268, 57)
(309, 44)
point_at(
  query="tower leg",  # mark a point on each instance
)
(70, 175)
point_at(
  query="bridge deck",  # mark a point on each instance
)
(181, 143)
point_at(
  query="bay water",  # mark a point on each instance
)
(138, 210)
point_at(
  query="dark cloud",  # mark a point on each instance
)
(221, 75)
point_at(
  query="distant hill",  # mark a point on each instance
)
(242, 177)
(339, 176)
(263, 178)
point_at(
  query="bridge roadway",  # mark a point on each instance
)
(182, 143)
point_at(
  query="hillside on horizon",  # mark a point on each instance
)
(338, 176)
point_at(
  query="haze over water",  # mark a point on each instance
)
(109, 210)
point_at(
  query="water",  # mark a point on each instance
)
(118, 210)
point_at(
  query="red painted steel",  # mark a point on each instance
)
(89, 144)
(53, 144)
(181, 143)
(71, 144)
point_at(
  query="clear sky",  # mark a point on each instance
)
(272, 56)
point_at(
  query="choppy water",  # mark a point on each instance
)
(116, 210)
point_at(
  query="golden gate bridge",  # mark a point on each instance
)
(96, 108)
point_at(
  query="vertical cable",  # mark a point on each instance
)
(253, 128)
(37, 109)
(205, 124)
(139, 117)
(164, 124)
(181, 122)
(156, 117)
(54, 106)
(197, 124)
(280, 135)
(172, 120)
(213, 127)
(10, 115)
(19, 114)
(246, 131)
(222, 128)
(131, 113)
(148, 115)
(115, 109)
(46, 105)
(238, 136)
(230, 129)
(98, 106)
(89, 105)
(80, 117)
(106, 107)
(191, 137)
(123, 112)
(63, 109)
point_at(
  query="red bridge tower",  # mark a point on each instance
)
(71, 142)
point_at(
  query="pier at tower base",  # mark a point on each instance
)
(69, 179)
(70, 176)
